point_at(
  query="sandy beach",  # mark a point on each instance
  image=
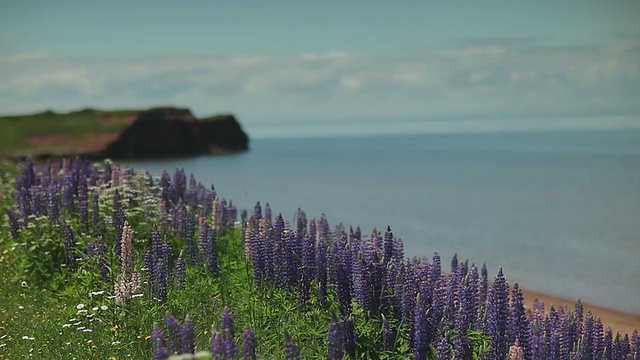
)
(617, 320)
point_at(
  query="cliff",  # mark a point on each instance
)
(122, 134)
(176, 132)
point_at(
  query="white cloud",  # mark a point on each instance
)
(503, 79)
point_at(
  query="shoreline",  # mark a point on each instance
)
(621, 321)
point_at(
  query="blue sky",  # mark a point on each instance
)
(309, 63)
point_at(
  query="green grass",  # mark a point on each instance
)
(15, 129)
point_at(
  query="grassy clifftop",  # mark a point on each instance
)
(84, 132)
(48, 131)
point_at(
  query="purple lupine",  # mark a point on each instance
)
(438, 304)
(91, 248)
(173, 325)
(607, 344)
(53, 204)
(118, 219)
(216, 342)
(598, 340)
(149, 268)
(250, 343)
(190, 231)
(187, 337)
(102, 262)
(229, 333)
(307, 268)
(160, 274)
(267, 212)
(321, 272)
(35, 199)
(443, 350)
(24, 205)
(181, 273)
(469, 297)
(212, 249)
(180, 183)
(291, 351)
(388, 336)
(14, 223)
(388, 245)
(350, 337)
(434, 274)
(483, 286)
(462, 348)
(70, 249)
(160, 351)
(95, 213)
(83, 206)
(28, 176)
(68, 192)
(635, 345)
(421, 332)
(341, 274)
(498, 315)
(578, 319)
(335, 339)
(454, 264)
(519, 329)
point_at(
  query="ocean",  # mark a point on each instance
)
(559, 211)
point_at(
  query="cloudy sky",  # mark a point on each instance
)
(297, 63)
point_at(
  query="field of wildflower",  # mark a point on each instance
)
(100, 261)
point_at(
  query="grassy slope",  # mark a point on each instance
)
(43, 316)
(14, 129)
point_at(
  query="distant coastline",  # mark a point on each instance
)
(119, 134)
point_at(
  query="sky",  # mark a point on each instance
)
(400, 66)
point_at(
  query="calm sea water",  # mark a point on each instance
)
(559, 211)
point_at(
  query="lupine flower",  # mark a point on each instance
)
(126, 251)
(212, 249)
(519, 331)
(388, 336)
(498, 316)
(159, 344)
(516, 353)
(173, 325)
(91, 248)
(267, 212)
(70, 248)
(118, 220)
(335, 339)
(83, 206)
(388, 245)
(321, 271)
(422, 333)
(635, 345)
(102, 262)
(95, 212)
(187, 337)
(229, 333)
(250, 343)
(181, 274)
(350, 336)
(14, 224)
(216, 342)
(291, 351)
(53, 204)
(442, 347)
